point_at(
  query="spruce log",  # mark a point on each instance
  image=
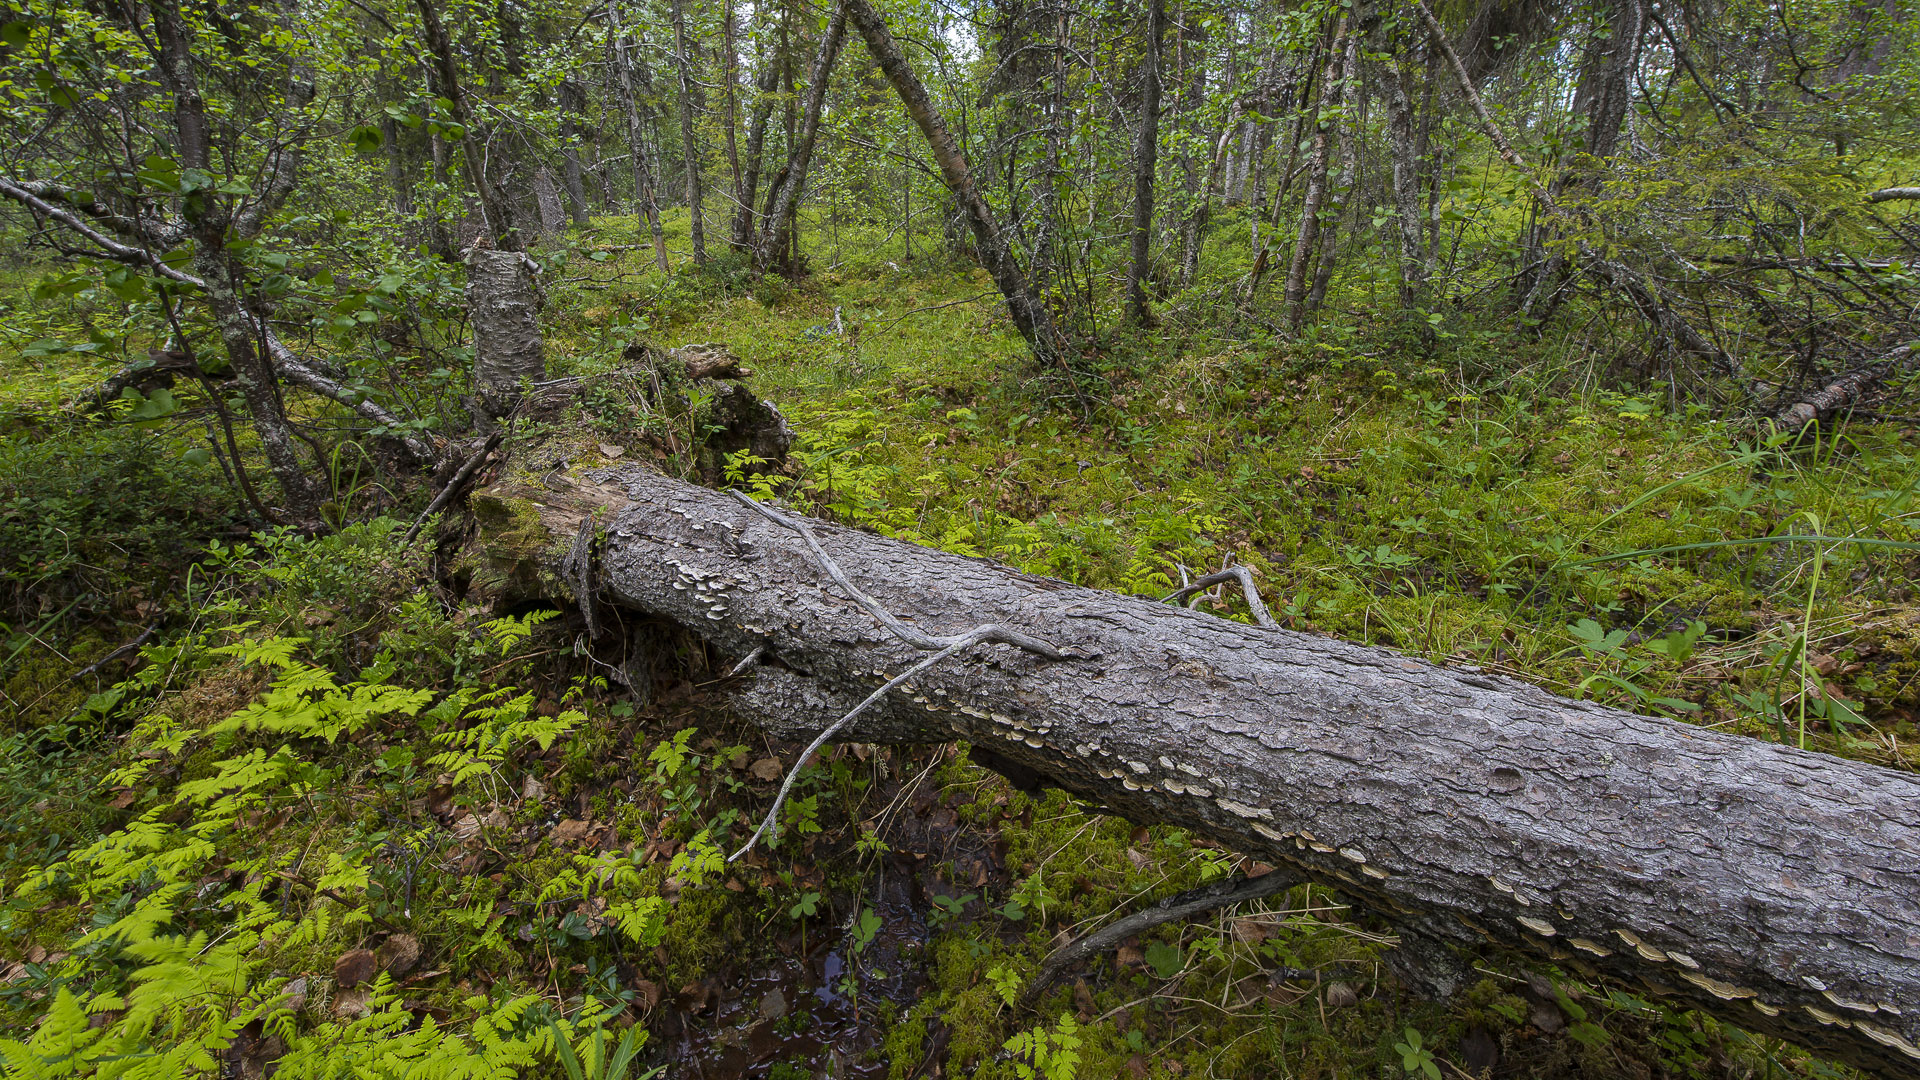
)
(1774, 888)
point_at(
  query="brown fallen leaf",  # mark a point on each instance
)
(1130, 956)
(1340, 996)
(399, 953)
(648, 992)
(767, 769)
(354, 967)
(570, 831)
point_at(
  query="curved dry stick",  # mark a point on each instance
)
(1225, 893)
(946, 647)
(768, 823)
(1232, 573)
(908, 634)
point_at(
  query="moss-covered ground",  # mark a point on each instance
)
(1485, 495)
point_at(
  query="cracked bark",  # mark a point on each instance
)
(1775, 888)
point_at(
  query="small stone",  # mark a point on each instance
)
(296, 994)
(355, 967)
(399, 954)
(774, 1005)
(533, 790)
(612, 450)
(1340, 996)
(1547, 1018)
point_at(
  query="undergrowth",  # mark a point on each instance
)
(341, 817)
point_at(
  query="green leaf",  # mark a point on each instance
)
(14, 35)
(1165, 960)
(365, 139)
(198, 455)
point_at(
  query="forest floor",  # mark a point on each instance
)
(545, 853)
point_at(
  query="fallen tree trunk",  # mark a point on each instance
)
(1777, 889)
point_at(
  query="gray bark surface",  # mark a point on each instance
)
(1775, 888)
(507, 346)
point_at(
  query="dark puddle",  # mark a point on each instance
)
(814, 1013)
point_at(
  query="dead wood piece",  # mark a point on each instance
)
(508, 349)
(460, 480)
(1775, 888)
(1822, 404)
(1893, 194)
(1227, 892)
(144, 637)
(1232, 573)
(710, 361)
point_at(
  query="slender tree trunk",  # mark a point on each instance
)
(1193, 103)
(777, 246)
(440, 236)
(1146, 154)
(729, 75)
(744, 218)
(1306, 239)
(1030, 316)
(493, 206)
(212, 223)
(573, 102)
(688, 151)
(1342, 185)
(646, 208)
(1403, 150)
(1046, 245)
(398, 179)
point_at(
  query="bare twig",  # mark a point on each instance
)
(145, 636)
(1232, 573)
(747, 661)
(1220, 894)
(944, 646)
(453, 487)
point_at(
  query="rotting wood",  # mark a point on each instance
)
(1775, 888)
(1842, 393)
